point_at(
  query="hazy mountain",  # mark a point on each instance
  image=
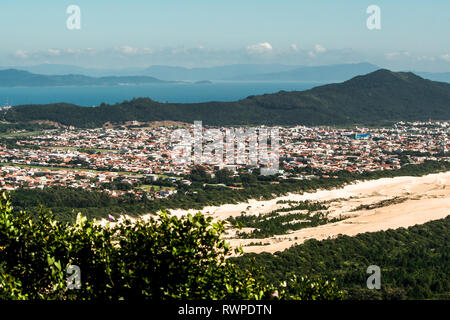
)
(330, 73)
(170, 73)
(57, 69)
(213, 73)
(369, 99)
(238, 72)
(62, 69)
(16, 78)
(443, 76)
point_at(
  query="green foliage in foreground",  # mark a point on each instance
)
(414, 262)
(168, 258)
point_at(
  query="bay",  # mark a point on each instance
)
(163, 92)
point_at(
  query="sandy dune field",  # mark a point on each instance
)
(422, 199)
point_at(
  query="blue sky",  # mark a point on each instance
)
(135, 33)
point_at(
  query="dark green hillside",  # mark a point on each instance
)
(414, 262)
(381, 96)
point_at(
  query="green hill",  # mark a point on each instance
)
(19, 78)
(374, 98)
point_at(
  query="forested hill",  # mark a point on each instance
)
(19, 78)
(370, 99)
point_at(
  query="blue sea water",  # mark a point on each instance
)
(170, 92)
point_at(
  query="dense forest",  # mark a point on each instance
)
(379, 97)
(414, 262)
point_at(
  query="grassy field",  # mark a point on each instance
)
(20, 134)
(148, 187)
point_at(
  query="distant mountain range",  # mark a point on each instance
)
(230, 72)
(442, 76)
(275, 72)
(378, 97)
(331, 73)
(15, 78)
(74, 75)
(168, 73)
(59, 69)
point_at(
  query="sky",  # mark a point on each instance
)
(414, 34)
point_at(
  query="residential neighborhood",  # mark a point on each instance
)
(93, 159)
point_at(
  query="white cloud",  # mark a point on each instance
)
(202, 56)
(294, 47)
(260, 48)
(21, 54)
(319, 48)
(446, 57)
(128, 50)
(426, 58)
(398, 54)
(54, 52)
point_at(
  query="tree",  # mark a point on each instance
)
(198, 173)
(224, 176)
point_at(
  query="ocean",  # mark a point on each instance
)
(167, 92)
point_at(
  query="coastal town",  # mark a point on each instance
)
(220, 159)
(140, 160)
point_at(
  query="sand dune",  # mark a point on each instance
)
(422, 199)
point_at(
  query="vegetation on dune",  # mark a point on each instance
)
(276, 223)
